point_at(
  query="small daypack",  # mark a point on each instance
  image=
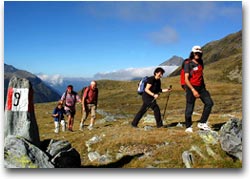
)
(182, 73)
(83, 90)
(142, 85)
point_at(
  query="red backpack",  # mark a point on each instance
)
(182, 73)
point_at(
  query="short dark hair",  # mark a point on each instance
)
(70, 86)
(159, 69)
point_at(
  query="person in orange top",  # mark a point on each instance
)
(89, 104)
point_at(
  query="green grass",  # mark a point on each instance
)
(162, 148)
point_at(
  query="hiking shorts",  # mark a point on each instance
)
(70, 112)
(89, 108)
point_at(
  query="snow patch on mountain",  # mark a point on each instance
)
(133, 73)
(51, 79)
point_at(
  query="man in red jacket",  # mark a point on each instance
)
(89, 104)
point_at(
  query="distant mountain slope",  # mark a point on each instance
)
(42, 92)
(60, 83)
(173, 61)
(223, 48)
(223, 59)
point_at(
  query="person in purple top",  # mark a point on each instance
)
(69, 99)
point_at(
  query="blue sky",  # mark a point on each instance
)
(80, 39)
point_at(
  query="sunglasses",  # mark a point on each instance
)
(198, 53)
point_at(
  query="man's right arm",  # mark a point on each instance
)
(195, 93)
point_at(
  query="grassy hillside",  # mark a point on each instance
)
(160, 148)
(230, 45)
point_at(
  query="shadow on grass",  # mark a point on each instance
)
(174, 124)
(118, 164)
(217, 127)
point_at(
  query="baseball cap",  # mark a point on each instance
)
(196, 49)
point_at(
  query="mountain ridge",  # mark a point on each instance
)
(222, 59)
(173, 61)
(42, 92)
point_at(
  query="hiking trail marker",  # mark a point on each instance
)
(20, 117)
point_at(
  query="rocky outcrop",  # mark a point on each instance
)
(63, 155)
(20, 153)
(230, 137)
(20, 117)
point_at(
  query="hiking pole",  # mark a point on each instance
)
(170, 87)
(149, 105)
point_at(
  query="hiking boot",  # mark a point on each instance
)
(134, 126)
(63, 128)
(81, 127)
(160, 126)
(90, 128)
(189, 130)
(56, 130)
(203, 126)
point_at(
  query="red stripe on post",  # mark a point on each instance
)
(9, 99)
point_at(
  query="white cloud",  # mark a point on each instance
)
(132, 73)
(168, 11)
(165, 35)
(52, 79)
